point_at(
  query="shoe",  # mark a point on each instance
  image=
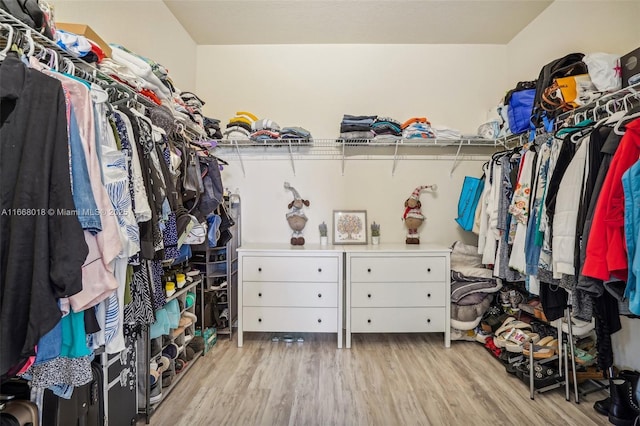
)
(602, 406)
(156, 394)
(185, 321)
(167, 378)
(170, 288)
(543, 375)
(181, 280)
(219, 286)
(623, 409)
(545, 348)
(225, 314)
(180, 365)
(465, 335)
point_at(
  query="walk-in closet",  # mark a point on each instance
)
(319, 212)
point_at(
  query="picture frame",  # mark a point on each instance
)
(350, 227)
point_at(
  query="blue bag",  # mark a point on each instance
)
(520, 109)
(472, 188)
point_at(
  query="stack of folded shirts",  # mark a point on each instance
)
(240, 126)
(386, 128)
(417, 128)
(447, 133)
(357, 126)
(212, 127)
(295, 133)
(264, 130)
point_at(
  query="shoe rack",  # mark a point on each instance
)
(219, 266)
(159, 372)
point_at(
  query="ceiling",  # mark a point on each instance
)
(354, 21)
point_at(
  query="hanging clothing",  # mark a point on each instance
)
(41, 252)
(566, 213)
(606, 252)
(631, 184)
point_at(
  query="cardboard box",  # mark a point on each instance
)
(85, 30)
(630, 65)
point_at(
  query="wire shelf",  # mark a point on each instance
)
(340, 149)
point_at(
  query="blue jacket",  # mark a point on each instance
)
(631, 185)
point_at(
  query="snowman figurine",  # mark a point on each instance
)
(413, 216)
(296, 217)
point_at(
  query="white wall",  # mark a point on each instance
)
(314, 85)
(147, 28)
(367, 184)
(573, 26)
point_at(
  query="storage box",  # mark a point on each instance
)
(87, 31)
(630, 65)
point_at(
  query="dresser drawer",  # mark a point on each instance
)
(290, 294)
(397, 320)
(398, 269)
(290, 319)
(399, 294)
(296, 269)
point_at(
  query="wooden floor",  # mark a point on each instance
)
(386, 380)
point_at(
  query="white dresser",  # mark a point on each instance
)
(398, 289)
(283, 288)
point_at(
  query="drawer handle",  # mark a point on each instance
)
(428, 320)
(369, 321)
(259, 294)
(428, 294)
(259, 319)
(259, 269)
(428, 269)
(319, 320)
(368, 269)
(319, 294)
(319, 269)
(369, 296)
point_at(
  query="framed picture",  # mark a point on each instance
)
(349, 227)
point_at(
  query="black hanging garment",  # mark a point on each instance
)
(41, 250)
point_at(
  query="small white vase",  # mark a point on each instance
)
(375, 240)
(324, 240)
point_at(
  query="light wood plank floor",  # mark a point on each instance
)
(386, 380)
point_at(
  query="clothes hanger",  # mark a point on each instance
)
(623, 121)
(7, 48)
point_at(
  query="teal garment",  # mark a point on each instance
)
(74, 337)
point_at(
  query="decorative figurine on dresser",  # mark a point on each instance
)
(296, 217)
(413, 216)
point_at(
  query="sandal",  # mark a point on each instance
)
(500, 338)
(516, 338)
(545, 348)
(543, 375)
(583, 357)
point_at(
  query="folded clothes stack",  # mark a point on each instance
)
(212, 127)
(386, 128)
(295, 133)
(447, 133)
(240, 126)
(357, 126)
(417, 128)
(264, 130)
